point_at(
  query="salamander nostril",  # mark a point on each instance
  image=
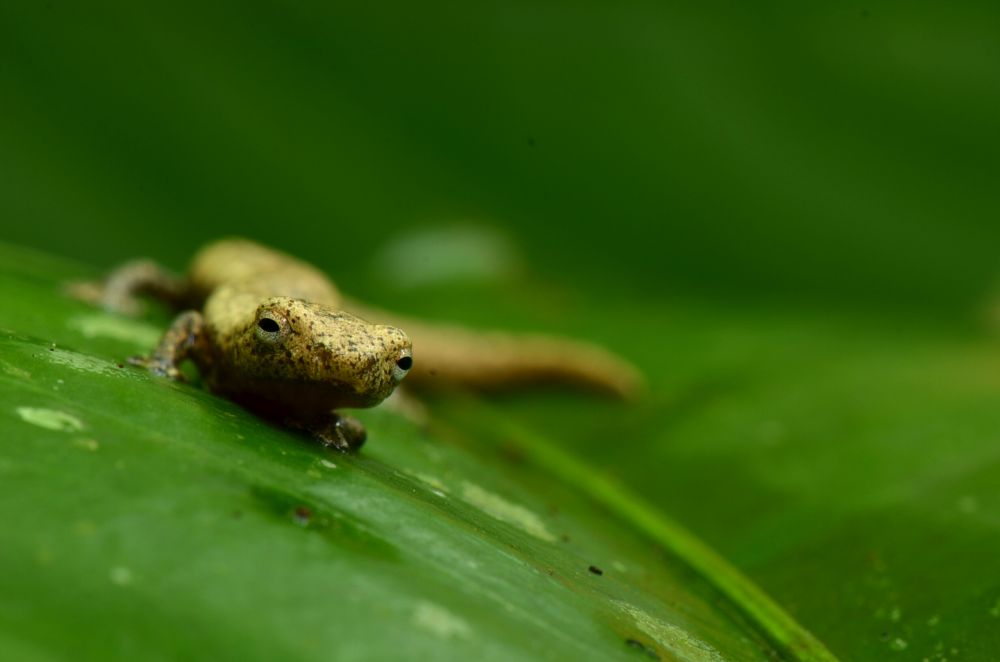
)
(405, 363)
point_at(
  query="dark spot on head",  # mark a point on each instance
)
(405, 363)
(121, 365)
(594, 569)
(268, 324)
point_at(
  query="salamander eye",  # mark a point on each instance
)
(403, 365)
(268, 329)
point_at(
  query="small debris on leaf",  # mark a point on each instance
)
(302, 515)
(639, 646)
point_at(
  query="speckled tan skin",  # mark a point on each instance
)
(276, 335)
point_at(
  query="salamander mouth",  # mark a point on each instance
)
(301, 399)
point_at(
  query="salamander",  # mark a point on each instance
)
(274, 333)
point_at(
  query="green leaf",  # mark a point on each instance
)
(146, 518)
(847, 463)
(785, 212)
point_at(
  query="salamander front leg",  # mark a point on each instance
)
(185, 339)
(345, 433)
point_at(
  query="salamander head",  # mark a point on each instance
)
(310, 356)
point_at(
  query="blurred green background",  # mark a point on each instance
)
(828, 151)
(785, 213)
